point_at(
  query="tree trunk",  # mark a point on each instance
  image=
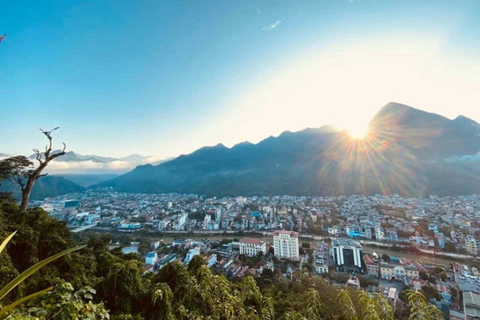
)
(30, 183)
(25, 200)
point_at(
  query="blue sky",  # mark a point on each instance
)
(163, 78)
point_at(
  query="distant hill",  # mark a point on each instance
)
(86, 180)
(48, 186)
(408, 152)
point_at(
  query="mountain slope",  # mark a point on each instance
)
(48, 186)
(408, 152)
(86, 180)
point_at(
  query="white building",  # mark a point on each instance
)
(285, 244)
(471, 244)
(251, 246)
(182, 220)
(190, 254)
(162, 224)
(379, 233)
(206, 221)
(151, 258)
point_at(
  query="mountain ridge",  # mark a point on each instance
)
(405, 153)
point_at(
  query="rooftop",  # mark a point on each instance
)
(291, 233)
(253, 241)
(346, 243)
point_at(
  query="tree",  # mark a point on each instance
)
(420, 309)
(385, 257)
(22, 171)
(123, 287)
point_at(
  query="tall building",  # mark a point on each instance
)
(285, 244)
(251, 246)
(471, 244)
(347, 255)
(379, 233)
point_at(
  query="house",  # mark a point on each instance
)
(372, 267)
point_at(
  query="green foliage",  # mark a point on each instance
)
(19, 279)
(420, 309)
(122, 289)
(64, 303)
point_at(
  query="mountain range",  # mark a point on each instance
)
(407, 151)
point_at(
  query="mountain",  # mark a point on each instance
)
(86, 180)
(408, 152)
(48, 186)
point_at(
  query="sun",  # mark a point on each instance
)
(358, 132)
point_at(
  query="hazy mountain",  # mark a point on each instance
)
(49, 186)
(86, 180)
(408, 151)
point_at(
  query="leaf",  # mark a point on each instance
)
(23, 300)
(7, 240)
(27, 273)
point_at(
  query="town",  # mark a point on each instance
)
(377, 243)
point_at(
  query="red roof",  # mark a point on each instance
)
(368, 260)
(291, 233)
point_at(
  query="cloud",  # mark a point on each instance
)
(96, 167)
(467, 158)
(117, 166)
(272, 26)
(93, 167)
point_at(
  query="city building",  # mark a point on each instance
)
(471, 244)
(372, 267)
(387, 271)
(211, 260)
(251, 246)
(285, 244)
(151, 258)
(347, 255)
(225, 250)
(190, 254)
(379, 233)
(471, 305)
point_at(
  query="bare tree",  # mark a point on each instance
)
(21, 170)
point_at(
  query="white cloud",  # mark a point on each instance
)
(467, 158)
(117, 166)
(272, 26)
(92, 167)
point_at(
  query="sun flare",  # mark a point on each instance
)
(358, 132)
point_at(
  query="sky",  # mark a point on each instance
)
(163, 78)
